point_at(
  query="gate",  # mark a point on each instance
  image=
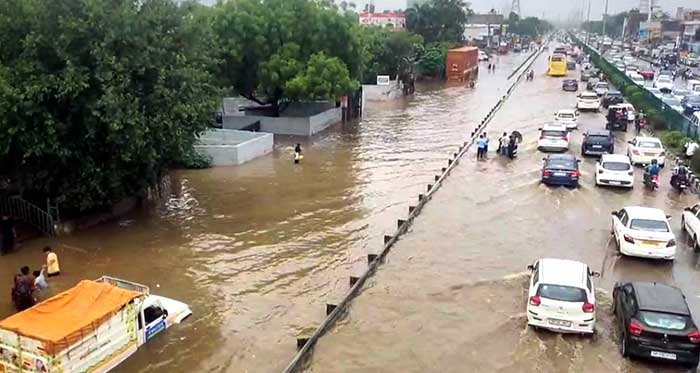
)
(20, 209)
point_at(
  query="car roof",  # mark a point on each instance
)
(614, 92)
(563, 272)
(645, 138)
(568, 157)
(566, 111)
(614, 158)
(645, 213)
(652, 296)
(554, 127)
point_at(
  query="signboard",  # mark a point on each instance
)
(383, 79)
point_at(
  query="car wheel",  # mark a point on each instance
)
(623, 346)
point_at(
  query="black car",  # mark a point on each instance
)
(612, 98)
(560, 169)
(690, 104)
(569, 85)
(597, 142)
(654, 322)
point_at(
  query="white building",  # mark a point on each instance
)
(392, 20)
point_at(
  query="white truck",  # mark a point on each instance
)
(91, 327)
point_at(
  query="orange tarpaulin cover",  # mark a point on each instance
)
(63, 319)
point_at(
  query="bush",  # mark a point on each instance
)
(191, 159)
(674, 139)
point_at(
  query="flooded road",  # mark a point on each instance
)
(451, 295)
(258, 250)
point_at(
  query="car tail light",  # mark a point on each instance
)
(574, 174)
(628, 238)
(631, 173)
(635, 328)
(588, 307)
(535, 300)
(546, 173)
(600, 171)
(541, 137)
(671, 243)
(694, 336)
(635, 152)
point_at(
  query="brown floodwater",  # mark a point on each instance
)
(451, 295)
(257, 250)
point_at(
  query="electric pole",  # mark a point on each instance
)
(588, 20)
(605, 17)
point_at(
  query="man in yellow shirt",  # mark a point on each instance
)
(52, 268)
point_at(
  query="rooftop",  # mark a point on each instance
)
(653, 296)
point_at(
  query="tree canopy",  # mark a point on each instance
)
(387, 52)
(529, 26)
(266, 46)
(439, 20)
(98, 97)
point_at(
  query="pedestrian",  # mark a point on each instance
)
(52, 267)
(489, 68)
(40, 279)
(486, 147)
(23, 290)
(503, 144)
(7, 230)
(297, 153)
(480, 146)
(512, 147)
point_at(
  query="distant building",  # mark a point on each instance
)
(685, 14)
(689, 28)
(391, 20)
(481, 28)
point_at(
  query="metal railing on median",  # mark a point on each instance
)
(18, 208)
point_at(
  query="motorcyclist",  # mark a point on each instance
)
(680, 173)
(651, 170)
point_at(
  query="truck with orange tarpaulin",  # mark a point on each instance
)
(91, 327)
(461, 64)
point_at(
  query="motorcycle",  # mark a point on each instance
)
(651, 182)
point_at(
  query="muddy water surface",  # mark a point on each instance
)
(257, 250)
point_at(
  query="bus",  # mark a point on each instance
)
(557, 65)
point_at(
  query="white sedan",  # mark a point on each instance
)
(567, 117)
(614, 170)
(641, 150)
(561, 296)
(637, 79)
(663, 82)
(588, 101)
(690, 223)
(643, 232)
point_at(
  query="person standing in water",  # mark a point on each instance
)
(297, 153)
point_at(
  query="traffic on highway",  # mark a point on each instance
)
(597, 211)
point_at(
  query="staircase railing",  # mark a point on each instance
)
(18, 208)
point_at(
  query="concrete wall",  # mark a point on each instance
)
(232, 147)
(374, 92)
(298, 126)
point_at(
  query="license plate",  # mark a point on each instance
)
(650, 243)
(650, 154)
(663, 355)
(559, 322)
(615, 183)
(560, 174)
(597, 146)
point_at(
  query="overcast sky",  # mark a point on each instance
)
(552, 9)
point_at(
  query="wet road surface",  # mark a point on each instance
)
(258, 250)
(451, 295)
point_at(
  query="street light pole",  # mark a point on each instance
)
(588, 20)
(605, 17)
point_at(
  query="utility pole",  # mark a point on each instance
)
(588, 20)
(605, 17)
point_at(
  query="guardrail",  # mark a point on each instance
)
(657, 111)
(17, 207)
(335, 311)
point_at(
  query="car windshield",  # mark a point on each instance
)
(616, 166)
(664, 80)
(562, 293)
(681, 92)
(663, 320)
(589, 97)
(601, 85)
(693, 99)
(553, 133)
(566, 115)
(649, 145)
(672, 101)
(649, 225)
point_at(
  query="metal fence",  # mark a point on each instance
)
(657, 110)
(20, 209)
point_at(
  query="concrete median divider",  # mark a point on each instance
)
(356, 283)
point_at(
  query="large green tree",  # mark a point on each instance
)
(99, 97)
(265, 48)
(386, 52)
(439, 20)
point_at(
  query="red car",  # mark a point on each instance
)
(647, 74)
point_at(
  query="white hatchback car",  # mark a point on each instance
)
(614, 170)
(561, 296)
(642, 150)
(553, 137)
(664, 82)
(690, 223)
(643, 232)
(567, 117)
(588, 101)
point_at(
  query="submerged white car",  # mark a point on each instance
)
(643, 232)
(567, 117)
(561, 296)
(642, 150)
(614, 170)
